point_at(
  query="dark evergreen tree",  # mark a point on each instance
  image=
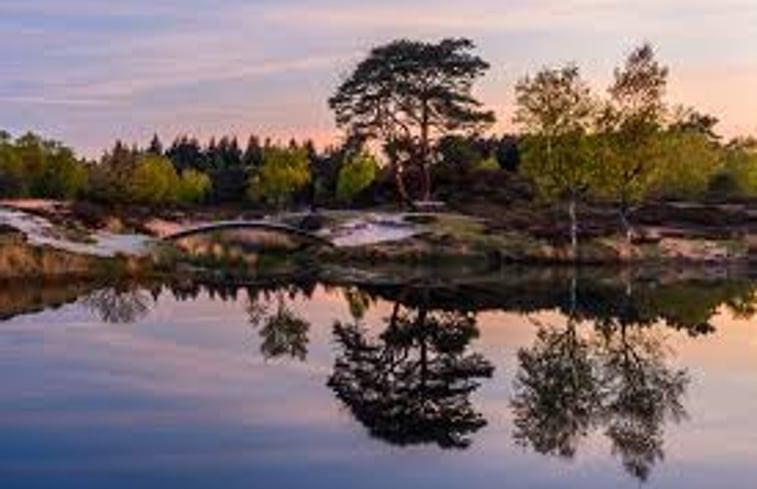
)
(253, 154)
(156, 146)
(407, 94)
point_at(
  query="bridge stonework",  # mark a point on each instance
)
(261, 225)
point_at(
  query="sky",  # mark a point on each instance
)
(89, 72)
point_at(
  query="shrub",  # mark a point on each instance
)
(688, 161)
(737, 176)
(153, 181)
(489, 163)
(356, 175)
(285, 171)
(194, 187)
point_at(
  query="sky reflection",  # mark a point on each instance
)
(185, 396)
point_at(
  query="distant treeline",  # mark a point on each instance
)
(189, 172)
(409, 115)
(221, 171)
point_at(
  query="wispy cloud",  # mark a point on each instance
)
(477, 16)
(104, 91)
(94, 70)
(91, 8)
(46, 100)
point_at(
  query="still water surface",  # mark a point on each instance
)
(564, 382)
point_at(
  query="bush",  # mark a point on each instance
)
(688, 161)
(737, 176)
(285, 172)
(356, 175)
(12, 182)
(64, 177)
(153, 181)
(34, 167)
(194, 187)
(488, 164)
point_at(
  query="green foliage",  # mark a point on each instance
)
(64, 176)
(12, 182)
(556, 101)
(110, 178)
(562, 168)
(555, 106)
(408, 94)
(463, 153)
(631, 124)
(154, 180)
(459, 152)
(737, 177)
(487, 164)
(284, 172)
(32, 166)
(356, 175)
(194, 187)
(688, 161)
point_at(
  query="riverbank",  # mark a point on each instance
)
(63, 239)
(22, 259)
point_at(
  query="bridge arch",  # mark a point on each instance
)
(261, 225)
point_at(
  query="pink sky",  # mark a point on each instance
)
(89, 72)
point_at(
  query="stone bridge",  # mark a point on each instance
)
(255, 225)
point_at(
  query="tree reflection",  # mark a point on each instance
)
(119, 305)
(614, 377)
(282, 331)
(358, 301)
(558, 392)
(412, 384)
(640, 394)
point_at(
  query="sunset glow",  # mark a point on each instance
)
(89, 72)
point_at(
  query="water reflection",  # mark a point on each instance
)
(122, 304)
(412, 384)
(557, 392)
(283, 332)
(604, 367)
(614, 376)
(641, 392)
(616, 379)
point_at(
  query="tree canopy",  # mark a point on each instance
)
(631, 123)
(284, 172)
(407, 94)
(556, 109)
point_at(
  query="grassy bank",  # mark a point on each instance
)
(21, 260)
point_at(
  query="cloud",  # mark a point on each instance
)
(138, 82)
(94, 71)
(484, 15)
(89, 8)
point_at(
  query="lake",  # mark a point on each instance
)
(519, 378)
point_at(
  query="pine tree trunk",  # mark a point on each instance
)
(400, 182)
(425, 153)
(426, 177)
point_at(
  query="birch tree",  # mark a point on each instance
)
(555, 109)
(632, 122)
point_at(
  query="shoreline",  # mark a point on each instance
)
(416, 240)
